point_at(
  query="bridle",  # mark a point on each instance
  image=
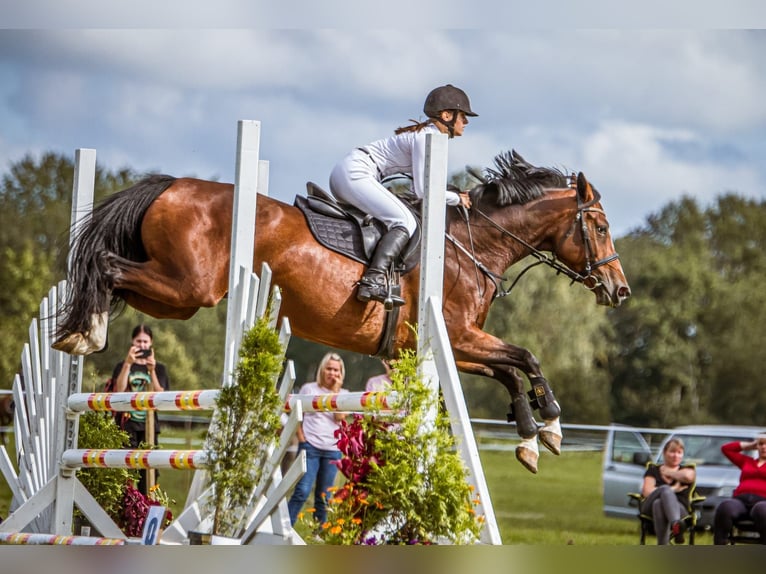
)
(552, 261)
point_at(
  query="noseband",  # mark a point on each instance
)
(541, 257)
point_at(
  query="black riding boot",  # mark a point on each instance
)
(374, 284)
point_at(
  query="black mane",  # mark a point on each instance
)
(514, 180)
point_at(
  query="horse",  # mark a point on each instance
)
(162, 246)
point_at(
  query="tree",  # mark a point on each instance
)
(35, 210)
(688, 341)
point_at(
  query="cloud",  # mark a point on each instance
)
(646, 114)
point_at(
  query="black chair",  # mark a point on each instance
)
(744, 532)
(689, 520)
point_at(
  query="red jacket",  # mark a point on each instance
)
(752, 479)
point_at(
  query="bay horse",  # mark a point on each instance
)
(162, 246)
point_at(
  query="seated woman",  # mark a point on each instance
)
(749, 498)
(666, 491)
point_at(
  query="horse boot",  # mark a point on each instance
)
(374, 284)
(541, 397)
(526, 427)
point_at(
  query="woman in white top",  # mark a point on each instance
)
(316, 436)
(356, 180)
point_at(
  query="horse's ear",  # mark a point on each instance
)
(584, 190)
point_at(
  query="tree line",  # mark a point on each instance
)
(685, 348)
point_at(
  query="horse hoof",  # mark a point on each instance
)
(551, 441)
(528, 458)
(74, 344)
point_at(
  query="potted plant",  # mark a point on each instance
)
(405, 482)
(246, 421)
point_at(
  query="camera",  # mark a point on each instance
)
(144, 353)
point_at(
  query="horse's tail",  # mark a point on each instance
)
(114, 226)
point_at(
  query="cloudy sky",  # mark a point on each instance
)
(648, 112)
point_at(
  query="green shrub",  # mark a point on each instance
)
(246, 419)
(107, 485)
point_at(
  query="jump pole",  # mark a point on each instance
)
(438, 363)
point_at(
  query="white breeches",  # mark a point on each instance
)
(354, 180)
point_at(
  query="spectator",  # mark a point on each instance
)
(380, 382)
(140, 372)
(665, 493)
(749, 498)
(316, 436)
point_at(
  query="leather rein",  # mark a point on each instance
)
(541, 257)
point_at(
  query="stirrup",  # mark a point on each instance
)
(370, 289)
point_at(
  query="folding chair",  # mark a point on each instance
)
(689, 520)
(744, 532)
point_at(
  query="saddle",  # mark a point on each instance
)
(346, 230)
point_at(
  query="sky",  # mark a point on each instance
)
(648, 105)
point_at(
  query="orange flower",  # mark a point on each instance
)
(336, 530)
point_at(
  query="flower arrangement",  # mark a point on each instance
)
(136, 507)
(405, 482)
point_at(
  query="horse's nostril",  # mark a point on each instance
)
(624, 292)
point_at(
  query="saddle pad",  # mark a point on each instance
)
(341, 235)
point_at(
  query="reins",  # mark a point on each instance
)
(541, 257)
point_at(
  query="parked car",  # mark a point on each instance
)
(627, 451)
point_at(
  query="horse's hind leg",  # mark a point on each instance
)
(90, 341)
(180, 291)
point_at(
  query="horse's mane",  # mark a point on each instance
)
(514, 180)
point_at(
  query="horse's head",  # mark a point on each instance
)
(586, 247)
(577, 234)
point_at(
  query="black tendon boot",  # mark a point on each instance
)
(374, 284)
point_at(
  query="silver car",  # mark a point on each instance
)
(628, 449)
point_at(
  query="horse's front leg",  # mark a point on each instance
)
(542, 398)
(527, 452)
(484, 354)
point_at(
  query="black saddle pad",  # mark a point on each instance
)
(350, 234)
(336, 230)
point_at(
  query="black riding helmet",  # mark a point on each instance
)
(447, 98)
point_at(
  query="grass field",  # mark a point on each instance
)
(560, 505)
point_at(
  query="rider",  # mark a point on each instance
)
(356, 180)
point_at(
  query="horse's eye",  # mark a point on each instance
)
(601, 229)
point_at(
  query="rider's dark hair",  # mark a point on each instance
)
(415, 127)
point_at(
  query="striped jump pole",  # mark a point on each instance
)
(28, 538)
(134, 458)
(345, 402)
(160, 401)
(205, 400)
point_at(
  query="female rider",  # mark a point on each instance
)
(356, 180)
